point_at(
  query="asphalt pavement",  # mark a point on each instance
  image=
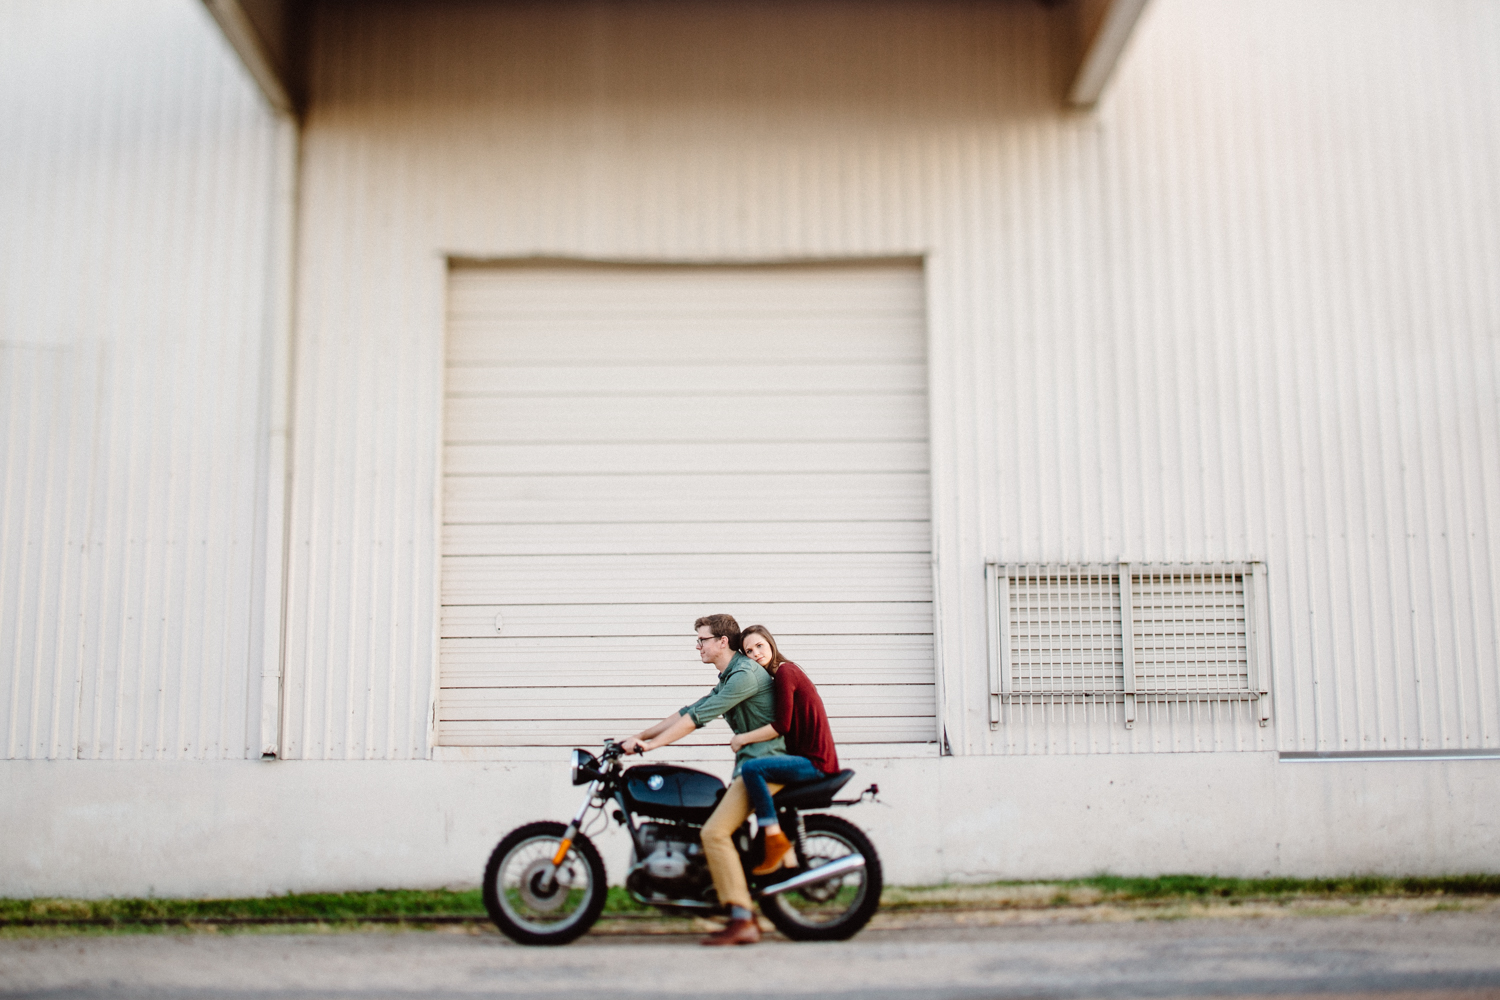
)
(1430, 956)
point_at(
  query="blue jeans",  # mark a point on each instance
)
(779, 769)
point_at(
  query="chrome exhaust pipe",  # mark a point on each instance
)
(843, 866)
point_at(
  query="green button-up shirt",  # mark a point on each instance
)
(743, 697)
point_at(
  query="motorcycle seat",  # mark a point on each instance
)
(815, 794)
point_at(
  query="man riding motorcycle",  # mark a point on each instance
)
(743, 697)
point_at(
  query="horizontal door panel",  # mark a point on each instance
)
(575, 662)
(764, 381)
(793, 290)
(686, 509)
(723, 419)
(514, 672)
(559, 703)
(680, 579)
(768, 537)
(674, 621)
(829, 279)
(593, 732)
(766, 487)
(678, 647)
(589, 733)
(780, 497)
(711, 492)
(586, 458)
(680, 304)
(647, 340)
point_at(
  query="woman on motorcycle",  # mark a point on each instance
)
(800, 717)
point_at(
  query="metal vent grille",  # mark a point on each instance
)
(1065, 636)
(1190, 633)
(1122, 633)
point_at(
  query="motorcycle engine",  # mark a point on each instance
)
(668, 862)
(673, 865)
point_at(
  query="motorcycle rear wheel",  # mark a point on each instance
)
(520, 903)
(836, 909)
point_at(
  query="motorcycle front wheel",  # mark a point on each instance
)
(836, 909)
(521, 901)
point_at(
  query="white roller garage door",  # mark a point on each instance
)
(629, 448)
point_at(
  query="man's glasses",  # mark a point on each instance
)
(711, 638)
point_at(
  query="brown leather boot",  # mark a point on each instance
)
(737, 932)
(777, 845)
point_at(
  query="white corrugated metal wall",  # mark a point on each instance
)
(137, 166)
(1279, 340)
(1247, 309)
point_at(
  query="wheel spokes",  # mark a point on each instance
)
(534, 900)
(825, 902)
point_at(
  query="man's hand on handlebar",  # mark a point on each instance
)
(666, 732)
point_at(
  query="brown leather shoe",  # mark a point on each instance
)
(738, 932)
(777, 845)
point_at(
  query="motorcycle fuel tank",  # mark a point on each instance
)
(672, 792)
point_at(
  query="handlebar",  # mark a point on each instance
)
(613, 751)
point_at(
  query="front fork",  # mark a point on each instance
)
(567, 838)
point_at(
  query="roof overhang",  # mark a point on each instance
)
(1105, 29)
(268, 37)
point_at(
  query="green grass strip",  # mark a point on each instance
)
(348, 907)
(313, 907)
(1118, 887)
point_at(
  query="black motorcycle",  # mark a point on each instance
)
(545, 882)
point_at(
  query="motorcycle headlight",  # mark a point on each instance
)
(585, 767)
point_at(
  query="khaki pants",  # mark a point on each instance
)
(718, 844)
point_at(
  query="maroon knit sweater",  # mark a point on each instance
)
(801, 719)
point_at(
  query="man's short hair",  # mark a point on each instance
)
(720, 625)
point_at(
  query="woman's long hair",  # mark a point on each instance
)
(776, 658)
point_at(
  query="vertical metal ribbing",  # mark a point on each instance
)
(1003, 596)
(1127, 645)
(1258, 639)
(995, 616)
(138, 179)
(940, 687)
(280, 318)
